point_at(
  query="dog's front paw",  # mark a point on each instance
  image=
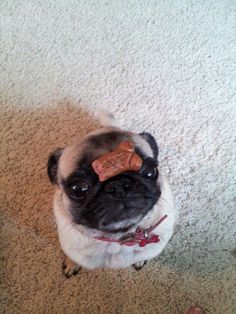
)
(70, 268)
(139, 265)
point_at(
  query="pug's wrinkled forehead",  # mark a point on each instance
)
(98, 143)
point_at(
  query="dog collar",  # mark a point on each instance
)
(142, 237)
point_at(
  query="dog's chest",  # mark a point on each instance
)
(110, 255)
(92, 253)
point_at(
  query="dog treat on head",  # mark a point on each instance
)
(122, 159)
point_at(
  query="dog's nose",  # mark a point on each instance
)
(118, 188)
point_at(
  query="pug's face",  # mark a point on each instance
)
(121, 201)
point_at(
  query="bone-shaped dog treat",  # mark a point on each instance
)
(122, 159)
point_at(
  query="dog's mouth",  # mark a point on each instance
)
(123, 226)
(119, 226)
(114, 229)
(119, 216)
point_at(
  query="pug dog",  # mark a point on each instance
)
(113, 206)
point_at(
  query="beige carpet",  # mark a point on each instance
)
(167, 67)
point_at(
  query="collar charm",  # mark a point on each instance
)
(141, 237)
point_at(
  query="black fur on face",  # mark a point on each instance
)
(124, 198)
(152, 142)
(53, 165)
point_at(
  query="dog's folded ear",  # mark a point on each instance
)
(152, 142)
(53, 164)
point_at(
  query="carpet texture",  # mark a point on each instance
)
(167, 67)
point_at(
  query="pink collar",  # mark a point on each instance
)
(141, 237)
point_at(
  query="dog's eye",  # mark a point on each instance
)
(149, 172)
(78, 188)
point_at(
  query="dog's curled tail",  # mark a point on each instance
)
(106, 118)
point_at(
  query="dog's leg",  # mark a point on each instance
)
(139, 265)
(70, 268)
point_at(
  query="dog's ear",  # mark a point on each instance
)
(53, 164)
(152, 142)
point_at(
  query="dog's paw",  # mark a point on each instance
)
(139, 265)
(195, 310)
(70, 268)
